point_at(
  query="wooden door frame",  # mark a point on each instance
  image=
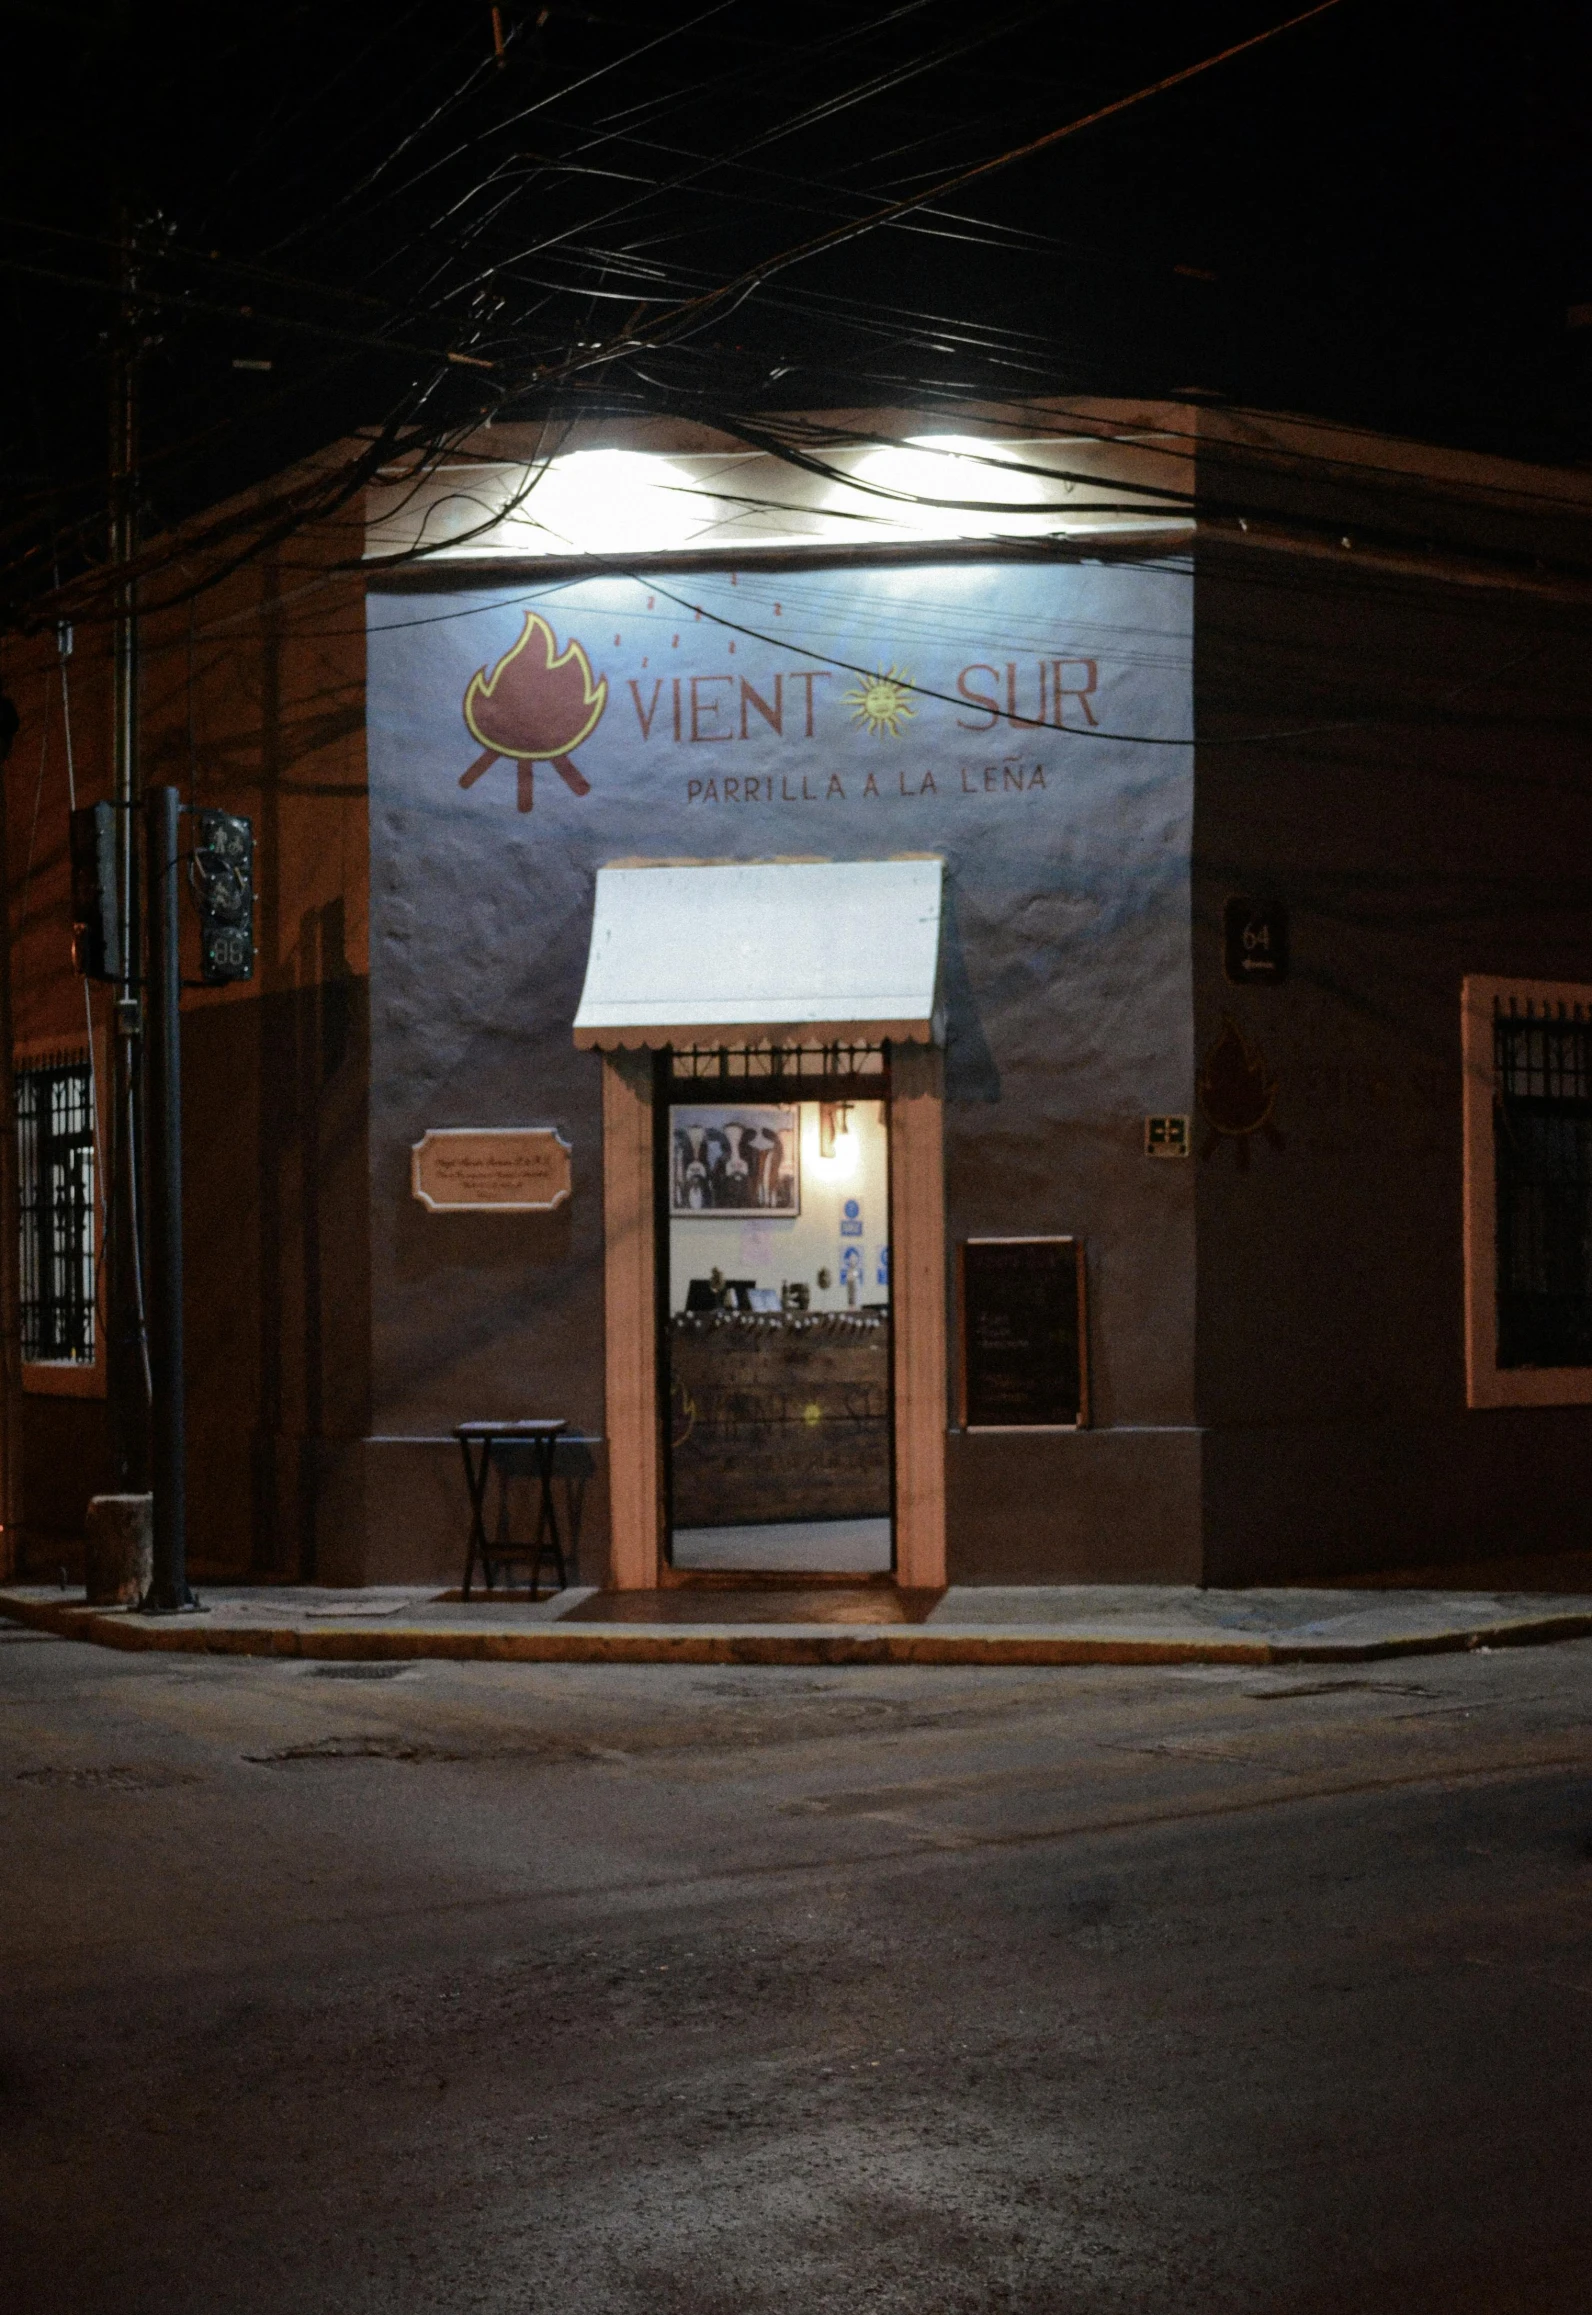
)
(917, 1311)
(637, 1556)
(1483, 996)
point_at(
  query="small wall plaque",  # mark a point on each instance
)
(1255, 943)
(1166, 1137)
(512, 1169)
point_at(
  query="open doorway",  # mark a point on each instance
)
(775, 1322)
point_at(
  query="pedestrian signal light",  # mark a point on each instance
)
(221, 874)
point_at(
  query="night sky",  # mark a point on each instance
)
(1379, 215)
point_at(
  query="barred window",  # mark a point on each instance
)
(55, 1176)
(1542, 1153)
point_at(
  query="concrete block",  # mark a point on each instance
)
(118, 1555)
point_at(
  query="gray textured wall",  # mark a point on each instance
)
(1067, 957)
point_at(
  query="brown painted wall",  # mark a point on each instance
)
(252, 697)
(1276, 1352)
(62, 1444)
(1431, 817)
(254, 700)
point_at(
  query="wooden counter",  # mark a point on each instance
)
(779, 1416)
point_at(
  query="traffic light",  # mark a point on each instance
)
(221, 872)
(96, 927)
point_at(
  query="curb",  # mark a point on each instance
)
(722, 1644)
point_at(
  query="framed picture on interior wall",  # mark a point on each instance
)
(741, 1160)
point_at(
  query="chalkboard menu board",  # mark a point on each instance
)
(1024, 1341)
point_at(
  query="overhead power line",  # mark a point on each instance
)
(731, 292)
(483, 306)
(182, 301)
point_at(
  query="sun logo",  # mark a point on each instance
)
(880, 703)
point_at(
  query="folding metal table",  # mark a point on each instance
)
(541, 1434)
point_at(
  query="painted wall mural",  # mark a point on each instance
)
(751, 693)
(1027, 721)
(536, 705)
(1238, 1093)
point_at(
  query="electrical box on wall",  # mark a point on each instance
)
(96, 929)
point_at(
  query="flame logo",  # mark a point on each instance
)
(536, 706)
(1237, 1093)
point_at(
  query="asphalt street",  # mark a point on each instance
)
(434, 1987)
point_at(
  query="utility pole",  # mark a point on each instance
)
(10, 1311)
(168, 1590)
(127, 1358)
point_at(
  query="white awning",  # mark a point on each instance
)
(766, 951)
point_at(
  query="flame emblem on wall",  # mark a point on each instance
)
(536, 706)
(1237, 1093)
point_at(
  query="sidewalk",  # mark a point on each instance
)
(1064, 1624)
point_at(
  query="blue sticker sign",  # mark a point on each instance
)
(851, 1218)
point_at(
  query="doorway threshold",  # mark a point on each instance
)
(786, 1547)
(867, 1602)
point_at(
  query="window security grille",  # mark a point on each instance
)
(55, 1171)
(1542, 1142)
(778, 1073)
(766, 1064)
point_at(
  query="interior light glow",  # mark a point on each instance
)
(830, 1148)
(610, 502)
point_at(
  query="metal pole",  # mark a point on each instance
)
(168, 1590)
(10, 1232)
(126, 1357)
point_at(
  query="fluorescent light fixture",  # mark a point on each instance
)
(955, 467)
(618, 503)
(607, 502)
